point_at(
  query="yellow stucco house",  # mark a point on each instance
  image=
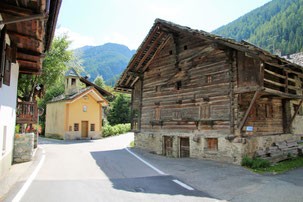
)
(76, 114)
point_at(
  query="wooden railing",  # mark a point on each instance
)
(27, 112)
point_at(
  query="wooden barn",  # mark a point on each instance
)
(195, 94)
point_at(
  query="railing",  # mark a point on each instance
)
(27, 112)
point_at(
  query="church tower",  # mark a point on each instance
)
(72, 80)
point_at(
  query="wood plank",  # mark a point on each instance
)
(282, 94)
(23, 36)
(15, 10)
(275, 83)
(275, 74)
(252, 103)
(295, 114)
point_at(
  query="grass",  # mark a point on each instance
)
(280, 167)
(132, 144)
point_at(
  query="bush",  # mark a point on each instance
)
(255, 163)
(109, 130)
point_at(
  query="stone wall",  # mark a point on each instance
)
(23, 147)
(76, 135)
(229, 150)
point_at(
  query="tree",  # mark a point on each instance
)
(120, 111)
(54, 66)
(99, 81)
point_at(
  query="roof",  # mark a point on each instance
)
(30, 26)
(101, 90)
(71, 97)
(72, 72)
(295, 58)
(159, 35)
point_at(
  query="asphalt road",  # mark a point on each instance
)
(100, 170)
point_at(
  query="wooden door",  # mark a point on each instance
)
(84, 128)
(168, 146)
(184, 147)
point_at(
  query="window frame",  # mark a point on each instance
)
(76, 126)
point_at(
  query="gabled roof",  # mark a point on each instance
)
(77, 95)
(72, 72)
(30, 26)
(101, 90)
(162, 31)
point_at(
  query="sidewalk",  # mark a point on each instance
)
(18, 173)
(227, 181)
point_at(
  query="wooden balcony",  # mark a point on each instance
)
(27, 112)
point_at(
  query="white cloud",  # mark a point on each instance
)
(77, 39)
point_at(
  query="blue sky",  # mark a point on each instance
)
(95, 22)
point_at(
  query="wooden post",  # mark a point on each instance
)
(294, 116)
(253, 101)
(141, 100)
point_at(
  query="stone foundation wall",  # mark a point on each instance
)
(23, 147)
(76, 135)
(229, 150)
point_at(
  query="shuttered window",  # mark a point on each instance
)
(7, 67)
(76, 127)
(92, 127)
(2, 53)
(212, 144)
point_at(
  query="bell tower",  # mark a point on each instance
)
(72, 80)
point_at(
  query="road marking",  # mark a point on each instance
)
(26, 185)
(148, 164)
(183, 185)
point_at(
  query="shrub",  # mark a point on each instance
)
(255, 163)
(109, 130)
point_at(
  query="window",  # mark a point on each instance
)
(92, 127)
(268, 111)
(185, 47)
(211, 144)
(76, 127)
(2, 53)
(7, 67)
(4, 139)
(300, 113)
(73, 82)
(157, 113)
(170, 52)
(178, 85)
(209, 79)
(84, 108)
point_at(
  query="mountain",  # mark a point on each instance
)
(276, 25)
(108, 60)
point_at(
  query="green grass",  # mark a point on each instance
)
(132, 144)
(281, 167)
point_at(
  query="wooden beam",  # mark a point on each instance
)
(135, 74)
(295, 114)
(275, 83)
(131, 85)
(128, 80)
(149, 50)
(282, 94)
(157, 52)
(138, 54)
(27, 61)
(253, 101)
(287, 69)
(275, 74)
(15, 10)
(23, 36)
(29, 52)
(24, 18)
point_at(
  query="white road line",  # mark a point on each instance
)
(148, 164)
(183, 185)
(26, 185)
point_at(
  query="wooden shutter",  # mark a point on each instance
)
(7, 67)
(2, 53)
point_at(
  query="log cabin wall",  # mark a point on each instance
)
(184, 92)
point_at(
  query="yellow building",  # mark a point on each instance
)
(76, 114)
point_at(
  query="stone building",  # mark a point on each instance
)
(196, 94)
(78, 112)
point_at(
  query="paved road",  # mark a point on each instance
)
(100, 170)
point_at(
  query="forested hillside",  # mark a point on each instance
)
(277, 23)
(108, 60)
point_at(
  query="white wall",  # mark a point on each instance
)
(8, 101)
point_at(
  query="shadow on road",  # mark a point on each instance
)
(129, 174)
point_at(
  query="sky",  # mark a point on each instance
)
(127, 22)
